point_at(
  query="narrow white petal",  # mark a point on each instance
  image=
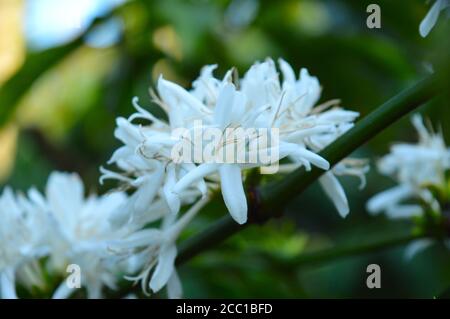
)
(403, 211)
(337, 116)
(37, 198)
(168, 90)
(417, 121)
(387, 198)
(7, 284)
(120, 153)
(157, 210)
(288, 72)
(127, 133)
(94, 289)
(172, 199)
(164, 269)
(65, 196)
(174, 287)
(299, 154)
(238, 111)
(313, 158)
(335, 192)
(194, 176)
(147, 192)
(121, 215)
(202, 187)
(63, 291)
(224, 108)
(141, 238)
(318, 129)
(233, 192)
(431, 18)
(416, 247)
(143, 113)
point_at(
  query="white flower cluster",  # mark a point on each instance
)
(162, 186)
(63, 226)
(415, 167)
(258, 100)
(116, 234)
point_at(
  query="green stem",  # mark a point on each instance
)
(216, 233)
(273, 197)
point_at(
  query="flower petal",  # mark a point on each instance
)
(403, 211)
(387, 198)
(288, 72)
(335, 192)
(174, 287)
(223, 111)
(141, 238)
(7, 284)
(416, 247)
(172, 199)
(65, 196)
(165, 268)
(147, 192)
(233, 192)
(300, 154)
(194, 176)
(431, 18)
(63, 291)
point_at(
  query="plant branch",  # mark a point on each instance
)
(271, 199)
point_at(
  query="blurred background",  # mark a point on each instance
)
(69, 68)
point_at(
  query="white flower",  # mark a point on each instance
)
(228, 111)
(432, 16)
(259, 100)
(154, 250)
(145, 158)
(80, 232)
(262, 102)
(316, 127)
(22, 238)
(414, 167)
(162, 185)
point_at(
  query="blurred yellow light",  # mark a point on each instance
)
(12, 46)
(8, 144)
(167, 40)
